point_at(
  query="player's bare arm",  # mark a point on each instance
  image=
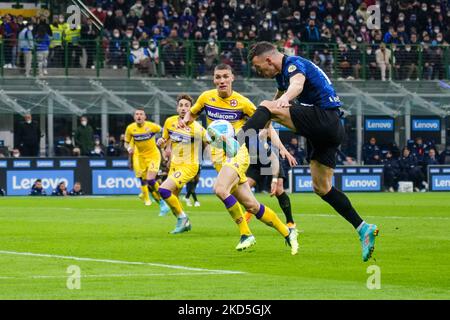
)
(275, 165)
(184, 123)
(276, 142)
(296, 85)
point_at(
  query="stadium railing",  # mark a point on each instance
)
(195, 59)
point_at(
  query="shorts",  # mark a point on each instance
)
(323, 131)
(239, 163)
(255, 172)
(142, 165)
(182, 174)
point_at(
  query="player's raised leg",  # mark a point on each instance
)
(168, 191)
(245, 196)
(226, 180)
(153, 187)
(322, 185)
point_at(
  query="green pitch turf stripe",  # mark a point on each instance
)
(55, 256)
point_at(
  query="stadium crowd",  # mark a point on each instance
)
(156, 32)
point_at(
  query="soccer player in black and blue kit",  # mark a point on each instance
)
(306, 102)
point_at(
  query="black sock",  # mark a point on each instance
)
(343, 206)
(285, 205)
(256, 122)
(188, 194)
(194, 195)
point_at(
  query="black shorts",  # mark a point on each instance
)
(254, 172)
(323, 131)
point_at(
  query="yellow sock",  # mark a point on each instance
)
(236, 213)
(174, 204)
(269, 217)
(153, 186)
(145, 193)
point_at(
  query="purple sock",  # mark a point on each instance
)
(261, 211)
(164, 193)
(229, 201)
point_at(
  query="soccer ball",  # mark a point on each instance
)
(219, 131)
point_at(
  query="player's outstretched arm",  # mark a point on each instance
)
(296, 84)
(275, 165)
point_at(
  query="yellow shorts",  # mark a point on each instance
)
(239, 163)
(148, 163)
(182, 174)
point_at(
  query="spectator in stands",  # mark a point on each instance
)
(89, 35)
(61, 190)
(311, 33)
(8, 31)
(239, 56)
(431, 158)
(42, 50)
(65, 150)
(211, 54)
(26, 47)
(116, 50)
(371, 63)
(409, 61)
(173, 58)
(411, 171)
(123, 152)
(391, 172)
(112, 149)
(84, 136)
(28, 136)
(354, 58)
(295, 150)
(140, 58)
(99, 148)
(37, 189)
(371, 152)
(76, 190)
(383, 58)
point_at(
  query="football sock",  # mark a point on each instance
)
(153, 187)
(144, 190)
(194, 195)
(266, 215)
(285, 205)
(172, 201)
(343, 206)
(235, 211)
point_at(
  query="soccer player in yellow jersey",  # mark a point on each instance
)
(142, 134)
(231, 185)
(185, 145)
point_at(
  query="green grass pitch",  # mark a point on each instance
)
(128, 254)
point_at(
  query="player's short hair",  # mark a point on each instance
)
(260, 48)
(185, 96)
(223, 66)
(139, 109)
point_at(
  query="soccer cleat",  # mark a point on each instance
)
(197, 204)
(163, 208)
(367, 236)
(292, 240)
(245, 242)
(141, 196)
(188, 202)
(148, 203)
(183, 225)
(231, 147)
(248, 216)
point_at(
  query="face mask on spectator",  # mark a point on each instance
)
(99, 9)
(408, 49)
(116, 34)
(84, 123)
(265, 25)
(241, 6)
(253, 28)
(313, 17)
(129, 34)
(110, 13)
(97, 150)
(239, 28)
(16, 155)
(152, 46)
(226, 25)
(436, 30)
(30, 28)
(68, 141)
(439, 39)
(28, 121)
(278, 37)
(354, 46)
(369, 51)
(135, 46)
(213, 26)
(211, 42)
(297, 16)
(268, 16)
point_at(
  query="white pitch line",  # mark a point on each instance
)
(160, 265)
(113, 275)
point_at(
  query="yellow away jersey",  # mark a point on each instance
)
(186, 145)
(143, 137)
(235, 109)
